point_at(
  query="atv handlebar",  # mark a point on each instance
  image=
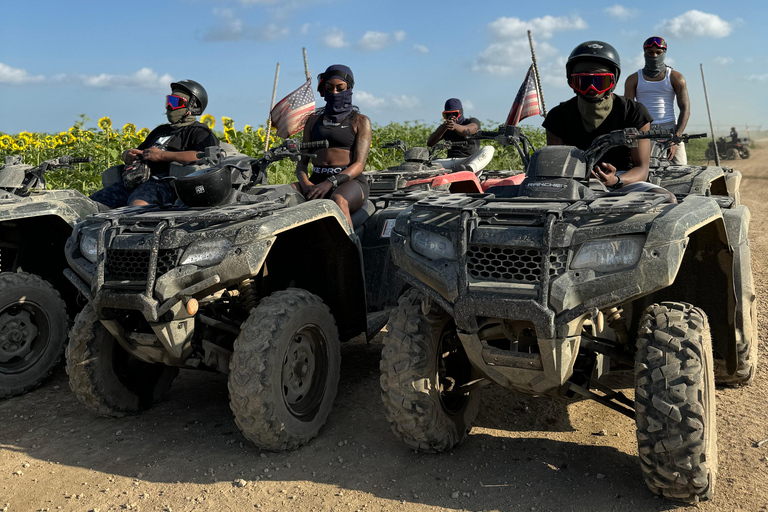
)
(70, 160)
(628, 137)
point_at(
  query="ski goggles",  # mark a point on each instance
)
(655, 41)
(447, 114)
(598, 82)
(174, 102)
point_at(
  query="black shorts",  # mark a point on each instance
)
(316, 178)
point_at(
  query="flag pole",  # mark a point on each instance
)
(709, 114)
(536, 74)
(271, 106)
(306, 67)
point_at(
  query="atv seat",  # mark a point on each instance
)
(360, 216)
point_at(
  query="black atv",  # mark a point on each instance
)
(728, 149)
(547, 286)
(245, 279)
(34, 296)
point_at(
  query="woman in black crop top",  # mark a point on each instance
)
(337, 170)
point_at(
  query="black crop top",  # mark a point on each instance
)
(341, 135)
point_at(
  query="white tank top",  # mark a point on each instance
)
(658, 97)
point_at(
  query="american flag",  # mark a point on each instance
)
(291, 112)
(526, 102)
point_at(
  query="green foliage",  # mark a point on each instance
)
(106, 144)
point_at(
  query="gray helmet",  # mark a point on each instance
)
(594, 51)
(198, 96)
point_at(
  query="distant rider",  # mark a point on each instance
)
(337, 170)
(457, 128)
(734, 135)
(593, 69)
(657, 86)
(178, 141)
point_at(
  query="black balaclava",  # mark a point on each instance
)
(181, 116)
(455, 104)
(594, 110)
(654, 66)
(339, 105)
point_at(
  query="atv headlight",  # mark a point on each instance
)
(609, 254)
(89, 245)
(431, 245)
(206, 252)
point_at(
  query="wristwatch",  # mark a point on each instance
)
(618, 184)
(334, 181)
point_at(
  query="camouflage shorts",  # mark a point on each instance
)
(117, 194)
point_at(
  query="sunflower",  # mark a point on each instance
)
(230, 134)
(26, 136)
(105, 123)
(208, 120)
(50, 142)
(20, 144)
(228, 122)
(248, 129)
(129, 129)
(6, 141)
(143, 133)
(64, 138)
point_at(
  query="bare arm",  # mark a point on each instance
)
(465, 130)
(683, 103)
(155, 154)
(630, 87)
(641, 156)
(302, 165)
(360, 148)
(437, 135)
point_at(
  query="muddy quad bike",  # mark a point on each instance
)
(728, 149)
(420, 171)
(547, 287)
(34, 296)
(257, 283)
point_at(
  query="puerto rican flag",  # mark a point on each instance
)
(527, 100)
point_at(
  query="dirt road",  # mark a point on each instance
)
(524, 454)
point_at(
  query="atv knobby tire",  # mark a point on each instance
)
(744, 153)
(33, 331)
(284, 370)
(709, 154)
(105, 377)
(731, 153)
(675, 402)
(423, 356)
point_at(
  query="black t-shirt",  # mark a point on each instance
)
(564, 121)
(462, 152)
(195, 136)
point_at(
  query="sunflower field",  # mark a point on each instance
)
(105, 143)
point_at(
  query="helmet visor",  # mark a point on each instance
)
(598, 82)
(655, 41)
(173, 102)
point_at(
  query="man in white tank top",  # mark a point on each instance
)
(657, 86)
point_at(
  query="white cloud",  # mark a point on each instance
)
(724, 61)
(509, 50)
(144, 78)
(620, 12)
(696, 24)
(232, 28)
(334, 38)
(373, 40)
(17, 76)
(758, 78)
(420, 48)
(305, 29)
(369, 101)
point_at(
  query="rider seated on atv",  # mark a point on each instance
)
(593, 70)
(337, 170)
(457, 128)
(177, 141)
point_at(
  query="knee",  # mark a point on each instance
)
(341, 201)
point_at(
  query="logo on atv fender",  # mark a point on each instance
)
(545, 184)
(199, 189)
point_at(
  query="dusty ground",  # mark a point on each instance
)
(524, 453)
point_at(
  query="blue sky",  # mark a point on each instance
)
(115, 58)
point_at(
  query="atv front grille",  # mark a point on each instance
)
(133, 265)
(513, 264)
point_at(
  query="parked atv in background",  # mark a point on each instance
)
(728, 149)
(549, 285)
(250, 280)
(34, 296)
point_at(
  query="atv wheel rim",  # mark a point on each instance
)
(305, 372)
(21, 324)
(453, 370)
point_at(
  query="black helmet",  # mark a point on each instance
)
(206, 187)
(594, 51)
(198, 97)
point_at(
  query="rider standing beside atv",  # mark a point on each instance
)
(657, 86)
(337, 170)
(593, 69)
(178, 141)
(456, 128)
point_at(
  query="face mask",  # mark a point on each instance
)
(654, 66)
(339, 105)
(594, 113)
(179, 117)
